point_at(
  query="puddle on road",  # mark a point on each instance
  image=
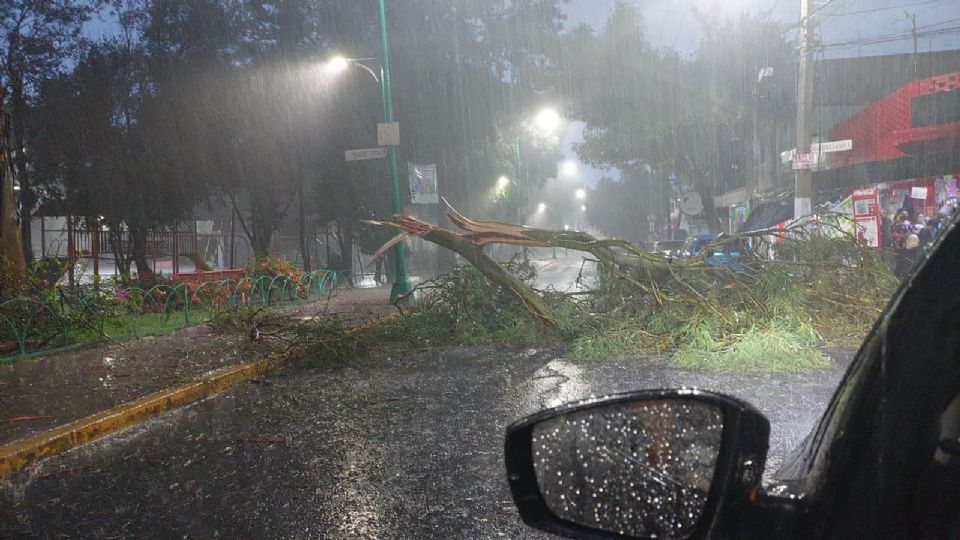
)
(556, 383)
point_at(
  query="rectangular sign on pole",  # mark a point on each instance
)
(832, 146)
(787, 156)
(361, 154)
(802, 162)
(388, 134)
(423, 184)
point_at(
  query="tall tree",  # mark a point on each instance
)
(11, 248)
(36, 37)
(691, 118)
(106, 138)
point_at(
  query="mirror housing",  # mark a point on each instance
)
(738, 469)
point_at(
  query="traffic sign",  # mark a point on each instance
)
(361, 154)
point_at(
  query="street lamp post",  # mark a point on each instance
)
(546, 121)
(401, 286)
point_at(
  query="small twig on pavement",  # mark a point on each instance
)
(18, 419)
(263, 439)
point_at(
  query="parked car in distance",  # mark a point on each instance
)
(721, 253)
(668, 248)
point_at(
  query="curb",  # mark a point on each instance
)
(25, 452)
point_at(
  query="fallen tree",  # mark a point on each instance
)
(820, 280)
(618, 256)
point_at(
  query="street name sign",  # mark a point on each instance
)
(832, 146)
(361, 154)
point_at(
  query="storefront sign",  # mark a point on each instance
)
(866, 215)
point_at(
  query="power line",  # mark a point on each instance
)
(887, 38)
(873, 10)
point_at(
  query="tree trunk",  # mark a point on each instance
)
(138, 237)
(260, 240)
(474, 254)
(345, 238)
(121, 256)
(709, 210)
(304, 245)
(11, 246)
(28, 198)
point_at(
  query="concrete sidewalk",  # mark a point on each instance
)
(39, 394)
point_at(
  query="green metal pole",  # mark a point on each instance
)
(400, 284)
(520, 183)
(521, 187)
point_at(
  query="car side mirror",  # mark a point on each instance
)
(649, 464)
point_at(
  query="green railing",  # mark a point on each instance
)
(64, 317)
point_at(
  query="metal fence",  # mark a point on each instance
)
(57, 317)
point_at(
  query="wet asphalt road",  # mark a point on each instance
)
(404, 447)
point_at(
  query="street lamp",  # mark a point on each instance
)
(500, 187)
(541, 208)
(568, 168)
(545, 121)
(581, 194)
(401, 286)
(548, 119)
(337, 64)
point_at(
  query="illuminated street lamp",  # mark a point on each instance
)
(401, 286)
(337, 64)
(548, 119)
(581, 194)
(541, 208)
(568, 168)
(500, 188)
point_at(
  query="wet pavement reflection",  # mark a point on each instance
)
(389, 447)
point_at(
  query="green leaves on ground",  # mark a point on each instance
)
(816, 290)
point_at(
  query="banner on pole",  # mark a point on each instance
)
(423, 184)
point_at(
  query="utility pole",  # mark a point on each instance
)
(803, 188)
(401, 286)
(913, 19)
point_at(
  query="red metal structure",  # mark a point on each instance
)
(920, 117)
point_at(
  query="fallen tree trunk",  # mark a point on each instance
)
(472, 250)
(624, 258)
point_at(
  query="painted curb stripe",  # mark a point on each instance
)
(25, 452)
